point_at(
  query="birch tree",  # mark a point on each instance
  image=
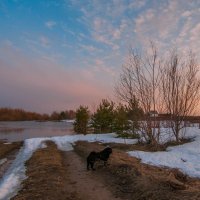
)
(180, 87)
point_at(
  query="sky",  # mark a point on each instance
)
(58, 54)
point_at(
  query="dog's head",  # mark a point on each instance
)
(108, 150)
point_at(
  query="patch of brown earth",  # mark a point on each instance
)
(130, 179)
(7, 148)
(8, 152)
(88, 184)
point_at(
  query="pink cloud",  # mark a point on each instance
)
(43, 85)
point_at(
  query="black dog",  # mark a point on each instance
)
(94, 156)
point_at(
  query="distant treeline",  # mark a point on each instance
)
(9, 114)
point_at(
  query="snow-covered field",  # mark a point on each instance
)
(10, 183)
(186, 157)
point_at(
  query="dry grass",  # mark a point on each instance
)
(46, 176)
(133, 180)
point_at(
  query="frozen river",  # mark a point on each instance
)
(17, 131)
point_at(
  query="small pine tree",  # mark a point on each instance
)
(121, 122)
(103, 119)
(135, 113)
(81, 120)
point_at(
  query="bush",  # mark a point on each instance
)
(128, 135)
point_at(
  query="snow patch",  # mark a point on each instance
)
(10, 182)
(43, 146)
(185, 157)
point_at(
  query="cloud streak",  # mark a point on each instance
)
(44, 41)
(50, 24)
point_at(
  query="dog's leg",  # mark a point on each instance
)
(88, 165)
(92, 165)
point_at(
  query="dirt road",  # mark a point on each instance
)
(54, 174)
(88, 184)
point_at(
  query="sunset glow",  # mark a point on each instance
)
(58, 54)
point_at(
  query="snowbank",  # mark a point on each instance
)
(16, 173)
(185, 157)
(167, 135)
(11, 181)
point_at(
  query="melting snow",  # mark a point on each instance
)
(185, 157)
(10, 183)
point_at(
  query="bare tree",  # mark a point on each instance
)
(140, 79)
(180, 87)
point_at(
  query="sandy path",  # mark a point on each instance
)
(88, 184)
